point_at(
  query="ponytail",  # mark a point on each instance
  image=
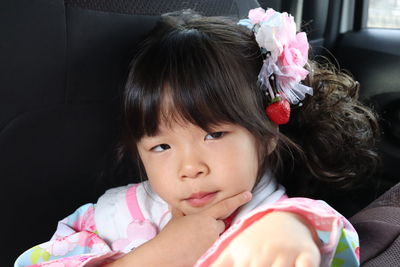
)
(336, 133)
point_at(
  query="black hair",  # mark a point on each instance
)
(208, 66)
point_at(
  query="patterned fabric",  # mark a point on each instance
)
(129, 216)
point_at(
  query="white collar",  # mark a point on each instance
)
(267, 191)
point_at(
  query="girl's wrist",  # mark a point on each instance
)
(148, 254)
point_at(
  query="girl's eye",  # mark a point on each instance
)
(215, 135)
(160, 148)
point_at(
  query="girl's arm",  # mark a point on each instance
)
(180, 243)
(280, 238)
(75, 242)
(309, 231)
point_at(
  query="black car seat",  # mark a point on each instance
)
(378, 226)
(62, 67)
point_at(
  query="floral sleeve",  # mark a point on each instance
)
(75, 243)
(339, 241)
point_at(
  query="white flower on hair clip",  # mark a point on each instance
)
(285, 55)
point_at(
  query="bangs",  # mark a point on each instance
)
(188, 75)
(197, 70)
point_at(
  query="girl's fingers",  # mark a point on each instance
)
(224, 208)
(220, 226)
(308, 260)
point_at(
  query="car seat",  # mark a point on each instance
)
(62, 68)
(378, 226)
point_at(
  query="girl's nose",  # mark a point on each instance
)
(193, 167)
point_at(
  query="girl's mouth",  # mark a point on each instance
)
(201, 198)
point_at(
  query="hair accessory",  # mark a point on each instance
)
(284, 54)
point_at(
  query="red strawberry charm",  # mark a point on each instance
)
(279, 111)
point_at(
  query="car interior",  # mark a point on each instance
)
(62, 69)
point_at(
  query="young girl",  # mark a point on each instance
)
(202, 106)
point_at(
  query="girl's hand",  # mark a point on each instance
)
(278, 239)
(185, 238)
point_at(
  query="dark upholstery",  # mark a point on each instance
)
(378, 226)
(62, 68)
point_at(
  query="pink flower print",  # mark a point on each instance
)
(86, 221)
(73, 261)
(100, 248)
(59, 247)
(88, 239)
(56, 264)
(138, 232)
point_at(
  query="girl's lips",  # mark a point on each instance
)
(200, 199)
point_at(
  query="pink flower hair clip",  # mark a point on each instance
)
(285, 54)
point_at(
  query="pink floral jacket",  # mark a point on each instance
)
(126, 217)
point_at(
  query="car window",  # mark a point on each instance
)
(384, 14)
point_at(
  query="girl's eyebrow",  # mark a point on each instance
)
(152, 137)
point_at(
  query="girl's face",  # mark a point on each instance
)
(192, 169)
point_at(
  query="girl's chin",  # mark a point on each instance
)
(194, 207)
(190, 207)
(194, 210)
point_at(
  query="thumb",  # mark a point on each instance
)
(176, 213)
(225, 207)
